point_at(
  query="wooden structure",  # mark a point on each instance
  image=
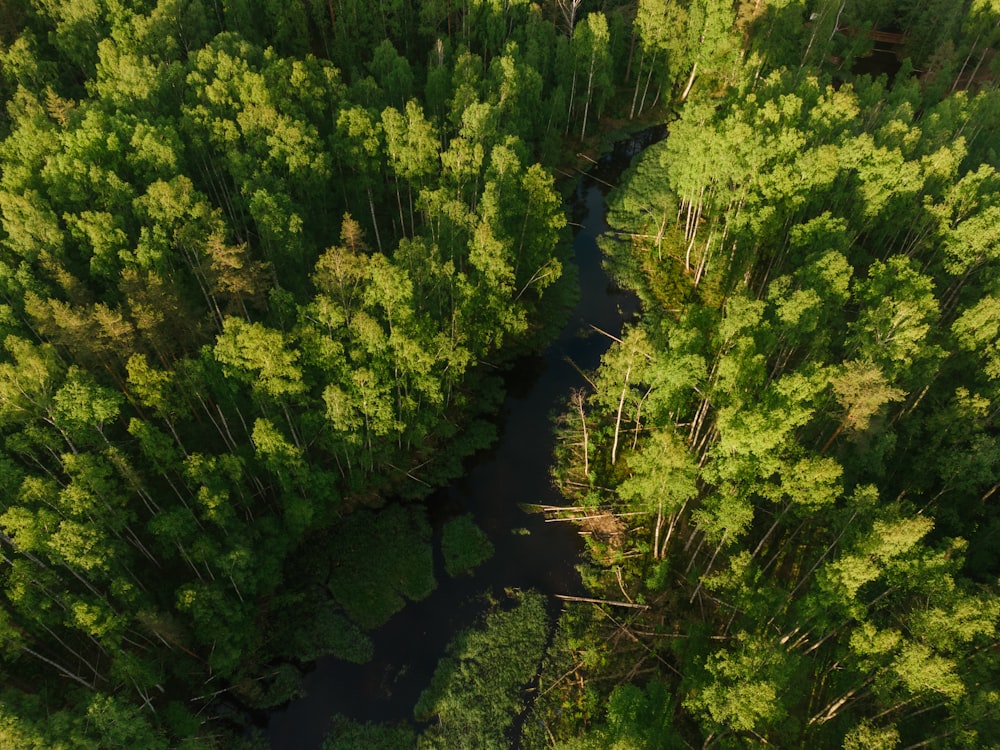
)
(888, 37)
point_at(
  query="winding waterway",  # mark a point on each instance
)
(530, 553)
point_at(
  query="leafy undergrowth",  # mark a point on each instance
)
(464, 545)
(478, 689)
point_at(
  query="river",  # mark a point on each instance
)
(530, 553)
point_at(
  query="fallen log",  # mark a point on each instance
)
(588, 600)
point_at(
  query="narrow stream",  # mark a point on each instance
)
(530, 553)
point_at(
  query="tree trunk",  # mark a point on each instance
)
(704, 259)
(618, 420)
(631, 54)
(590, 93)
(833, 708)
(826, 552)
(690, 83)
(965, 64)
(399, 204)
(670, 531)
(708, 568)
(635, 94)
(833, 437)
(572, 95)
(371, 207)
(413, 223)
(975, 70)
(645, 89)
(577, 399)
(59, 667)
(638, 412)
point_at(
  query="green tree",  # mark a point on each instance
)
(412, 148)
(592, 57)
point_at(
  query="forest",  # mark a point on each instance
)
(264, 264)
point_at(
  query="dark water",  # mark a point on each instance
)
(515, 471)
(878, 62)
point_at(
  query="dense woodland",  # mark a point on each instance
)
(792, 459)
(262, 263)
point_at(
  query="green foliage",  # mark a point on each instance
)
(641, 718)
(319, 629)
(745, 687)
(477, 689)
(870, 737)
(377, 559)
(464, 545)
(253, 285)
(199, 376)
(105, 722)
(804, 401)
(346, 734)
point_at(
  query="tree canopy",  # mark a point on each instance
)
(808, 482)
(260, 264)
